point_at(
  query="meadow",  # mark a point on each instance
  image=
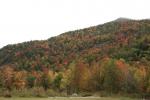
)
(70, 98)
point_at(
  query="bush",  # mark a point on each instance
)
(33, 92)
(22, 93)
(86, 94)
(52, 93)
(63, 94)
(7, 94)
(103, 94)
(1, 92)
(39, 92)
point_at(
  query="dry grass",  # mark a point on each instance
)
(70, 98)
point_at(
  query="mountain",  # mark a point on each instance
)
(110, 39)
(120, 47)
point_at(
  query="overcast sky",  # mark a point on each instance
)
(24, 20)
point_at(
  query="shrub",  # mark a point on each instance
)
(51, 93)
(22, 93)
(39, 92)
(7, 93)
(85, 94)
(63, 94)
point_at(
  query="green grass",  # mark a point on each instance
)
(70, 98)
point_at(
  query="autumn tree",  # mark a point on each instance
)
(45, 81)
(96, 79)
(8, 77)
(84, 78)
(20, 79)
(111, 76)
(57, 81)
(31, 80)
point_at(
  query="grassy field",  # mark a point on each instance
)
(71, 98)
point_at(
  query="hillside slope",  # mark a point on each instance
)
(112, 57)
(113, 39)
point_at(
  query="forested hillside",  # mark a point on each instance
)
(112, 58)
